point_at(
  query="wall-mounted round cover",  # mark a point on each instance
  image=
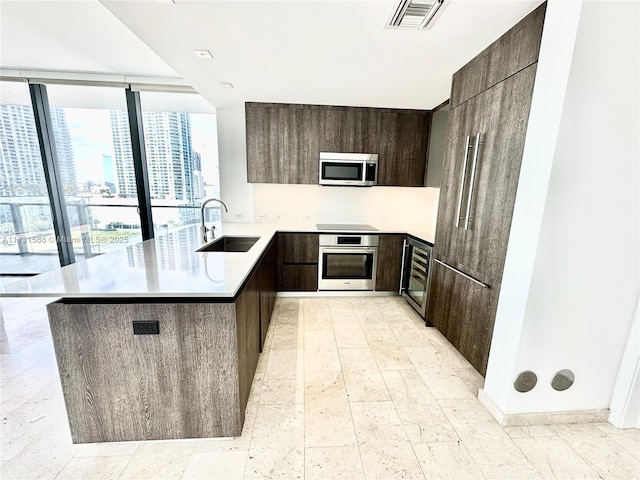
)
(525, 381)
(562, 380)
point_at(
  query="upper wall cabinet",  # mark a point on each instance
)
(284, 141)
(512, 52)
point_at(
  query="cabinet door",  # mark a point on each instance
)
(264, 143)
(403, 148)
(470, 80)
(464, 312)
(301, 145)
(298, 247)
(516, 49)
(299, 277)
(332, 123)
(455, 174)
(502, 125)
(389, 262)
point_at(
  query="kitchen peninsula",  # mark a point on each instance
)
(159, 341)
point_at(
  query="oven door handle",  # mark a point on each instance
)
(348, 250)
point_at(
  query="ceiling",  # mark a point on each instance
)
(324, 52)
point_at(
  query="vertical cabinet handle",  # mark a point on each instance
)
(462, 181)
(473, 179)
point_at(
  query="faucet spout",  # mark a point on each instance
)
(203, 228)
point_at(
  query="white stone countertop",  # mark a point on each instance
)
(167, 266)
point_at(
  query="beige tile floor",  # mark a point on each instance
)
(346, 388)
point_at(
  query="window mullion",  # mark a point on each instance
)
(53, 177)
(134, 111)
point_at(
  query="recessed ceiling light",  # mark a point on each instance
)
(226, 85)
(203, 53)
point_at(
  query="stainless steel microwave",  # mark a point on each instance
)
(349, 169)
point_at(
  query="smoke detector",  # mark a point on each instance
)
(414, 14)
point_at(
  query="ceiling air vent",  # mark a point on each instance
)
(415, 14)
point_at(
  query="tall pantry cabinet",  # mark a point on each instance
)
(490, 103)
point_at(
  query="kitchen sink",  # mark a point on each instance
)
(230, 244)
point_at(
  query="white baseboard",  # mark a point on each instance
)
(541, 418)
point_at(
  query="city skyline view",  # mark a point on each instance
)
(93, 149)
(83, 138)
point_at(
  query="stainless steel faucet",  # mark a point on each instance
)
(203, 228)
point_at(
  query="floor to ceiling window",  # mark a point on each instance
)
(94, 153)
(96, 171)
(27, 239)
(182, 157)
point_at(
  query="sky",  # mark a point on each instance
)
(90, 131)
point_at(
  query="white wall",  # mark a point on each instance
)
(234, 189)
(569, 293)
(400, 207)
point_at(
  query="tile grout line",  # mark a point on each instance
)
(460, 440)
(355, 430)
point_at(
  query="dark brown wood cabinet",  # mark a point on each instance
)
(485, 141)
(299, 278)
(190, 380)
(389, 263)
(284, 141)
(300, 146)
(264, 145)
(514, 51)
(502, 127)
(248, 335)
(298, 262)
(463, 311)
(267, 272)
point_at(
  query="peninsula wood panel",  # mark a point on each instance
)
(182, 383)
(247, 309)
(267, 276)
(389, 262)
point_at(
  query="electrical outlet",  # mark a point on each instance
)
(238, 216)
(275, 216)
(261, 217)
(306, 218)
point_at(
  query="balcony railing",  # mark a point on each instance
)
(26, 228)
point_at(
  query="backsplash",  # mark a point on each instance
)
(394, 206)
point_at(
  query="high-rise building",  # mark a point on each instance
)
(198, 179)
(170, 157)
(109, 173)
(21, 171)
(125, 174)
(64, 150)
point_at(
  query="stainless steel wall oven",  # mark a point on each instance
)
(347, 262)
